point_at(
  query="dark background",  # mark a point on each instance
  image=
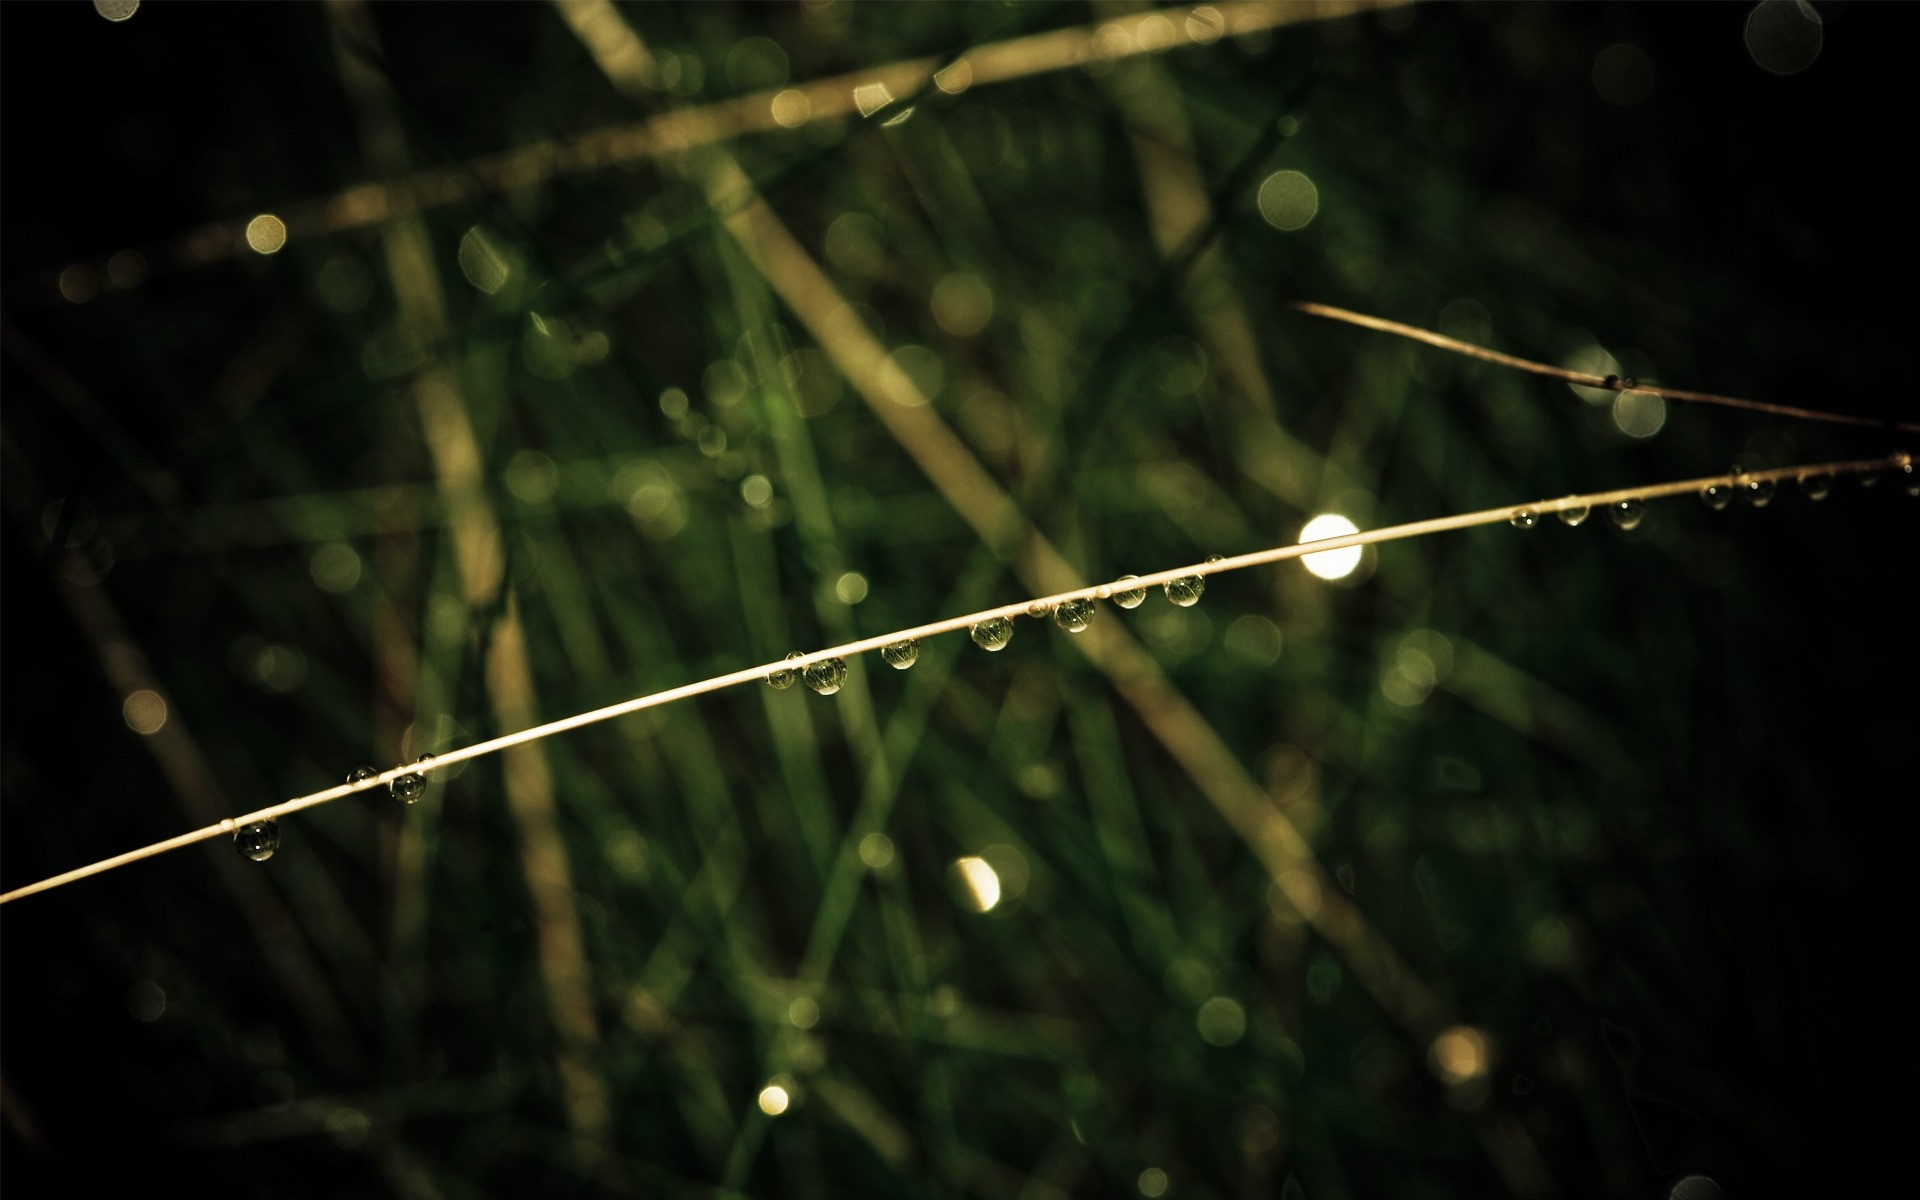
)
(1653, 837)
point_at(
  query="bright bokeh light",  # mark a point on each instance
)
(774, 1099)
(1288, 200)
(1784, 36)
(982, 882)
(1459, 1055)
(145, 712)
(116, 10)
(266, 234)
(1330, 564)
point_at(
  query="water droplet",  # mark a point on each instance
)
(900, 655)
(1611, 382)
(1909, 478)
(1716, 496)
(362, 774)
(1575, 515)
(257, 840)
(1628, 383)
(1185, 591)
(1036, 609)
(1627, 514)
(1526, 518)
(1130, 597)
(826, 676)
(1073, 615)
(1817, 486)
(1214, 558)
(991, 634)
(781, 678)
(1757, 492)
(1103, 592)
(1867, 479)
(408, 788)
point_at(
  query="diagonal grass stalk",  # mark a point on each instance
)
(1042, 605)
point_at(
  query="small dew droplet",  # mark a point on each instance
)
(257, 840)
(1073, 615)
(991, 634)
(1526, 518)
(1185, 591)
(1715, 497)
(781, 678)
(1611, 382)
(1627, 514)
(408, 788)
(1817, 486)
(900, 655)
(1909, 478)
(1628, 383)
(1130, 597)
(1757, 492)
(1575, 515)
(1103, 592)
(826, 676)
(1036, 609)
(362, 774)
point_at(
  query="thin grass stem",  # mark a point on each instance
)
(1042, 604)
(1612, 383)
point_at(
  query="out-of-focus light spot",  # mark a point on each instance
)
(1254, 638)
(851, 588)
(673, 403)
(1299, 890)
(876, 851)
(146, 1001)
(924, 368)
(144, 712)
(854, 244)
(1153, 1182)
(483, 265)
(1257, 1128)
(955, 77)
(1221, 1021)
(1623, 74)
(774, 1099)
(962, 304)
(532, 477)
(756, 490)
(1330, 564)
(983, 886)
(1695, 1187)
(1592, 359)
(1784, 36)
(756, 63)
(899, 118)
(1010, 868)
(1205, 25)
(279, 669)
(803, 1013)
(335, 567)
(266, 234)
(725, 382)
(1459, 1055)
(791, 108)
(870, 98)
(78, 284)
(1155, 32)
(627, 853)
(1288, 200)
(127, 269)
(1639, 414)
(116, 10)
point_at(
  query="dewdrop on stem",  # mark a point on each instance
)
(1525, 518)
(257, 840)
(1571, 517)
(1186, 590)
(1716, 497)
(362, 774)
(781, 678)
(826, 676)
(1073, 615)
(1129, 597)
(1817, 486)
(991, 634)
(408, 788)
(900, 655)
(1628, 513)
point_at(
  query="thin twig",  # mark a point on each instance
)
(1611, 383)
(1040, 606)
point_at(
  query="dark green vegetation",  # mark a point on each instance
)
(1636, 807)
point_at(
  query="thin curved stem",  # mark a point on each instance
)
(1039, 605)
(1612, 383)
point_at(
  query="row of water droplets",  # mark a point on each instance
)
(1755, 490)
(258, 840)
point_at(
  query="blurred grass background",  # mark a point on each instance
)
(457, 457)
